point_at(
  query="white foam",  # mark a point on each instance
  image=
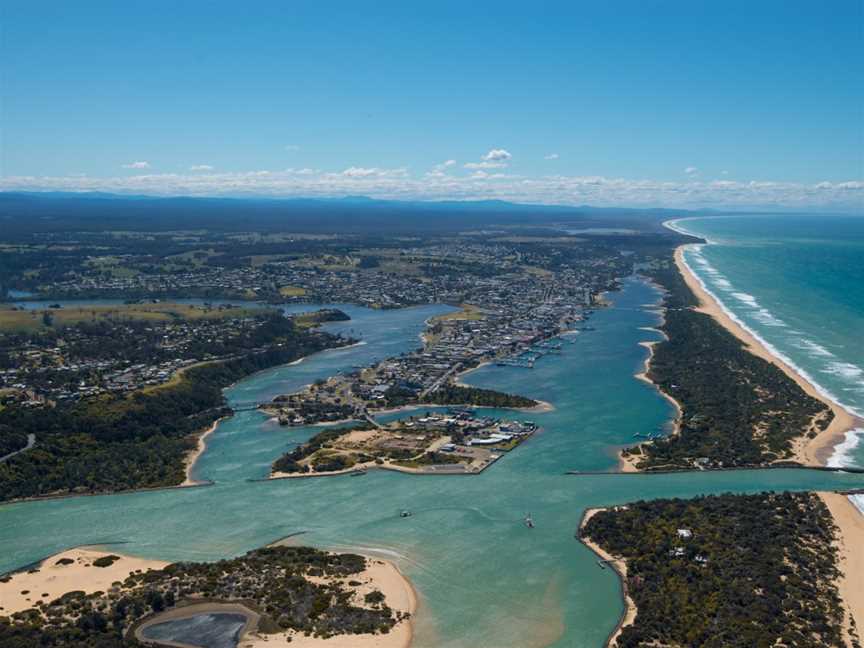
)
(696, 250)
(813, 349)
(842, 457)
(766, 317)
(748, 299)
(844, 370)
(857, 502)
(723, 283)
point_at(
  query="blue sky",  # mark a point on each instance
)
(641, 102)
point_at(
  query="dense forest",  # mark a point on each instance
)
(119, 441)
(727, 571)
(294, 588)
(737, 409)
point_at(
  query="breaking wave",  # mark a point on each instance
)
(827, 363)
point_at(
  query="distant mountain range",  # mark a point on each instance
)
(34, 211)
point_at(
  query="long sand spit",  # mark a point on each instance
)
(810, 452)
(850, 543)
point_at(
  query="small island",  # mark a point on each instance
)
(457, 442)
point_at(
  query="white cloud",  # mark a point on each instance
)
(724, 172)
(485, 165)
(372, 172)
(552, 156)
(439, 169)
(201, 167)
(497, 155)
(292, 147)
(691, 170)
(690, 192)
(137, 165)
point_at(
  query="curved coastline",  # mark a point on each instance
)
(619, 566)
(194, 455)
(809, 452)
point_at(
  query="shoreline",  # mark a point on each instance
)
(48, 580)
(813, 452)
(193, 456)
(400, 595)
(619, 566)
(850, 524)
(187, 460)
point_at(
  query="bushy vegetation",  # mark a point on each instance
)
(277, 581)
(727, 571)
(117, 442)
(289, 462)
(460, 395)
(737, 409)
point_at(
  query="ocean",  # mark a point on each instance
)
(797, 283)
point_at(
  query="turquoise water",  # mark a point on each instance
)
(797, 282)
(484, 579)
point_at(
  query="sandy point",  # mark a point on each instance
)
(68, 571)
(381, 575)
(810, 452)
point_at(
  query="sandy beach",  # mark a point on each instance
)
(810, 452)
(850, 542)
(53, 577)
(192, 457)
(381, 575)
(50, 580)
(628, 464)
(620, 567)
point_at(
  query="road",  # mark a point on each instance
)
(31, 441)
